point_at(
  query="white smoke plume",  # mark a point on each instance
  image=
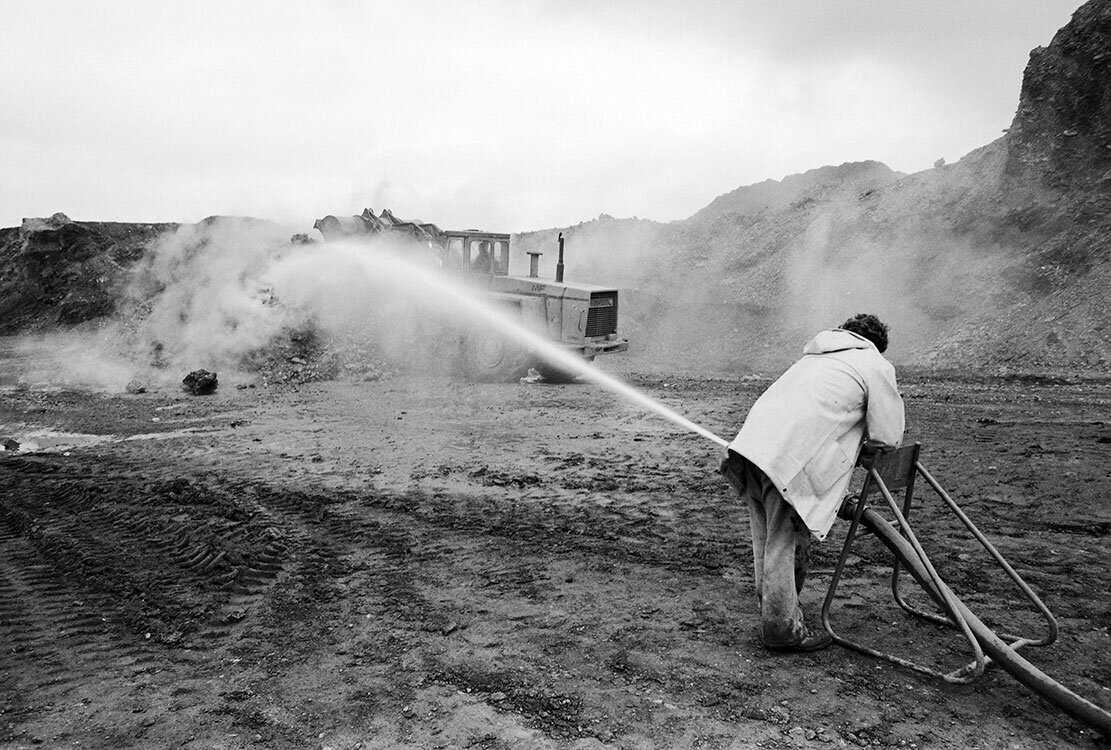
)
(202, 301)
(226, 294)
(80, 358)
(221, 293)
(916, 280)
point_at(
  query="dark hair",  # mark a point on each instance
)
(870, 327)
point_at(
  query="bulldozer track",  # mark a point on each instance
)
(188, 560)
(47, 625)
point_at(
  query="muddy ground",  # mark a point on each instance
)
(426, 563)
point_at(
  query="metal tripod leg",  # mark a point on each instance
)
(898, 470)
(933, 585)
(1007, 658)
(1016, 642)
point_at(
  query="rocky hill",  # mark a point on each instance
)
(1000, 261)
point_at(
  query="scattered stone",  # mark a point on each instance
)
(778, 715)
(797, 734)
(9, 444)
(200, 382)
(135, 387)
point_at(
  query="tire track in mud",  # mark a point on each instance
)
(105, 570)
(107, 567)
(337, 551)
(223, 563)
(56, 642)
(619, 531)
(140, 542)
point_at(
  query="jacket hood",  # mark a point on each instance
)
(836, 340)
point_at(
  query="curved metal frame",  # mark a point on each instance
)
(901, 465)
(1016, 642)
(1000, 652)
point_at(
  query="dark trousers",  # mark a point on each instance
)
(780, 551)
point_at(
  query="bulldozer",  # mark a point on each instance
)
(580, 318)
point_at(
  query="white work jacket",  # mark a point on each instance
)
(806, 430)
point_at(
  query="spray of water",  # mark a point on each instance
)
(213, 294)
(380, 262)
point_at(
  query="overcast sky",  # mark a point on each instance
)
(506, 115)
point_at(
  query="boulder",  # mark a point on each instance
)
(200, 382)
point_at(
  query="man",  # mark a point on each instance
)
(483, 262)
(794, 456)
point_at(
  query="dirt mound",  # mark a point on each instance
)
(58, 271)
(751, 199)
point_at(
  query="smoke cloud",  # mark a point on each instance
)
(202, 299)
(742, 291)
(918, 279)
(232, 295)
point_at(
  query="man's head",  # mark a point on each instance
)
(870, 327)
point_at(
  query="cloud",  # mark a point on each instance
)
(508, 115)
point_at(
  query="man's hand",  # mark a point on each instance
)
(868, 453)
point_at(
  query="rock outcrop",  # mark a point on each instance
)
(1061, 134)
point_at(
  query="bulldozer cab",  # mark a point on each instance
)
(477, 252)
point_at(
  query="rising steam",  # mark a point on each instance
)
(221, 294)
(202, 299)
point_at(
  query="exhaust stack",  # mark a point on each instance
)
(559, 263)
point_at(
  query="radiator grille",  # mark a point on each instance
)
(601, 320)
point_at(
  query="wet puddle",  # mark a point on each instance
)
(41, 440)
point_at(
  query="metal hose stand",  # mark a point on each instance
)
(1000, 652)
